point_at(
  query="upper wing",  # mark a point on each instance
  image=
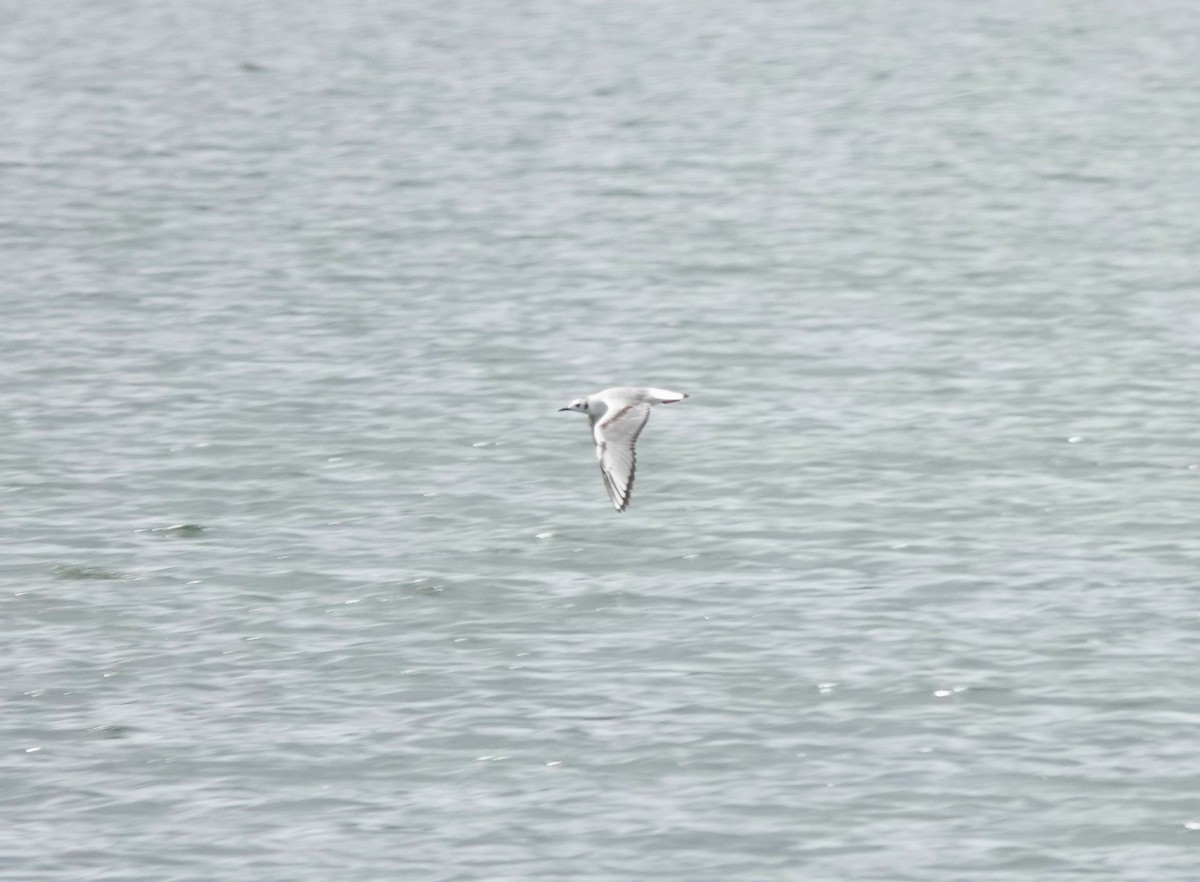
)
(615, 438)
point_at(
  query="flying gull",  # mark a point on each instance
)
(617, 417)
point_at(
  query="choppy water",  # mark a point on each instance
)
(304, 578)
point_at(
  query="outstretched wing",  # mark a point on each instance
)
(615, 437)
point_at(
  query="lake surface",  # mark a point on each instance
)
(303, 578)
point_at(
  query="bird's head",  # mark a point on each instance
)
(579, 404)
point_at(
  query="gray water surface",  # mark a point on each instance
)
(303, 578)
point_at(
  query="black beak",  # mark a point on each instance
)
(561, 409)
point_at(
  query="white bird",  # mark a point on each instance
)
(618, 416)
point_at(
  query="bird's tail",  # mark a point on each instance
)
(665, 396)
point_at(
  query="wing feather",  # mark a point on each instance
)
(616, 437)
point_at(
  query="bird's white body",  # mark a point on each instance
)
(618, 416)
